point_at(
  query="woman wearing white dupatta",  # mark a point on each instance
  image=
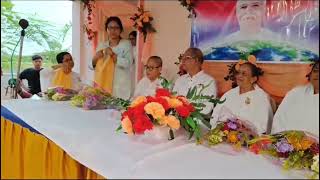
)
(299, 109)
(113, 61)
(247, 101)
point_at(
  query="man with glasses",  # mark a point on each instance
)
(147, 86)
(191, 61)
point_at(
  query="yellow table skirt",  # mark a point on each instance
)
(28, 155)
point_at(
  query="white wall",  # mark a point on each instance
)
(173, 33)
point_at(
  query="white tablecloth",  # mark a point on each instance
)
(90, 138)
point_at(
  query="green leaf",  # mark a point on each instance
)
(191, 123)
(216, 101)
(191, 92)
(119, 128)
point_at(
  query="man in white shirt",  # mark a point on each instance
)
(147, 86)
(192, 61)
(299, 110)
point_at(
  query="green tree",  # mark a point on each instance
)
(40, 31)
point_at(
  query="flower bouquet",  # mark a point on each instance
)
(90, 98)
(60, 94)
(165, 110)
(294, 149)
(142, 22)
(232, 131)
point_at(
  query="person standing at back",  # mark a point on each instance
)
(113, 61)
(32, 75)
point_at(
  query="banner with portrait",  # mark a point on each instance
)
(272, 30)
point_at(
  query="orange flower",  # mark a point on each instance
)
(232, 136)
(173, 102)
(306, 143)
(252, 59)
(127, 125)
(240, 62)
(155, 109)
(145, 19)
(138, 100)
(172, 122)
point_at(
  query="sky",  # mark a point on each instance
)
(56, 12)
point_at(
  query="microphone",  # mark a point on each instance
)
(23, 23)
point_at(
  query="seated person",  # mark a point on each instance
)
(247, 101)
(299, 110)
(32, 75)
(147, 86)
(191, 61)
(61, 75)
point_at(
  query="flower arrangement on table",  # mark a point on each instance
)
(165, 109)
(232, 131)
(295, 149)
(189, 4)
(142, 22)
(60, 94)
(91, 98)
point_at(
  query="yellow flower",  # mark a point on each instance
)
(127, 125)
(155, 110)
(173, 102)
(138, 100)
(172, 122)
(232, 136)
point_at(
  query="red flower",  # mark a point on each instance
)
(314, 148)
(162, 92)
(183, 111)
(159, 100)
(255, 148)
(284, 155)
(225, 127)
(141, 124)
(190, 107)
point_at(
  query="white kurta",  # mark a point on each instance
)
(299, 110)
(145, 87)
(253, 106)
(186, 82)
(122, 75)
(46, 78)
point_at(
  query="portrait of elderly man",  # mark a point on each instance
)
(250, 16)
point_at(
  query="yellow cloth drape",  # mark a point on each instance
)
(28, 155)
(103, 75)
(61, 79)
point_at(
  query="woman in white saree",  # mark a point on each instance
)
(247, 101)
(299, 110)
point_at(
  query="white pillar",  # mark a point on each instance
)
(77, 40)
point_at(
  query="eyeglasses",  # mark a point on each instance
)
(113, 28)
(185, 58)
(150, 68)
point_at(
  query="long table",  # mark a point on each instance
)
(90, 138)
